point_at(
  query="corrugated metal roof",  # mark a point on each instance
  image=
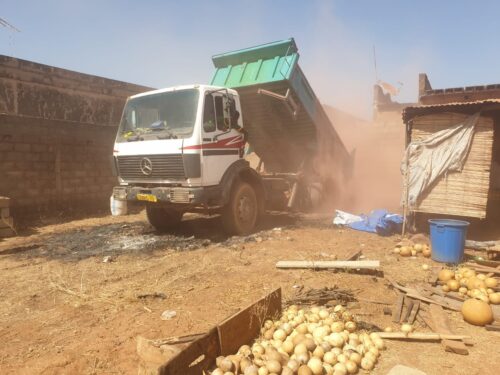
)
(412, 111)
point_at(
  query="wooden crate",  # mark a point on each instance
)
(462, 193)
(224, 339)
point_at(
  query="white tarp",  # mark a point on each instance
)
(436, 155)
(345, 218)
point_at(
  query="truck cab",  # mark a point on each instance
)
(177, 149)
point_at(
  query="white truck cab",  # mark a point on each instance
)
(175, 146)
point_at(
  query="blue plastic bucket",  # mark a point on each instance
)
(448, 239)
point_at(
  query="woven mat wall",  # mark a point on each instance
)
(459, 193)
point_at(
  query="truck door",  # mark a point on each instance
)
(222, 144)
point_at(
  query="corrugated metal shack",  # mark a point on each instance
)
(475, 191)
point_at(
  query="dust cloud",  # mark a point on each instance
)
(378, 148)
(340, 67)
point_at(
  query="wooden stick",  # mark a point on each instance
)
(325, 264)
(373, 301)
(177, 339)
(417, 336)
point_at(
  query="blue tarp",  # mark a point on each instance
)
(379, 221)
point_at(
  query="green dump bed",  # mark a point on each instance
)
(285, 131)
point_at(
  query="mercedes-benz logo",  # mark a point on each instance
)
(146, 167)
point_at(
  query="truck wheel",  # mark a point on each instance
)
(240, 215)
(162, 218)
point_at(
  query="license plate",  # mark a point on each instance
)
(147, 197)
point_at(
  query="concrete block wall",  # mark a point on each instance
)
(57, 129)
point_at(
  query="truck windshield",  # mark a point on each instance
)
(159, 116)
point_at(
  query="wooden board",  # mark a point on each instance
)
(396, 313)
(438, 300)
(414, 312)
(409, 305)
(324, 264)
(441, 325)
(226, 338)
(420, 336)
(462, 193)
(449, 303)
(244, 326)
(206, 348)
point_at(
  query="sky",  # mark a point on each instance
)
(161, 43)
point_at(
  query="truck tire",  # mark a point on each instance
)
(239, 215)
(162, 218)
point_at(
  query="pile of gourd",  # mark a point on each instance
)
(469, 284)
(413, 250)
(312, 341)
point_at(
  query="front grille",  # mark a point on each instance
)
(164, 167)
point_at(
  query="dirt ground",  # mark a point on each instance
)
(66, 311)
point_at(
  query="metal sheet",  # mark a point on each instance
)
(418, 110)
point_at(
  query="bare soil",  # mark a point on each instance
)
(66, 311)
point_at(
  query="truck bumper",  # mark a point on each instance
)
(174, 195)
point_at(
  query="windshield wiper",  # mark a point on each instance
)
(169, 135)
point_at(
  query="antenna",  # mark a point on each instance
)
(6, 24)
(375, 63)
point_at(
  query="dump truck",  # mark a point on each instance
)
(187, 148)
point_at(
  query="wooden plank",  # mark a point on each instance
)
(452, 295)
(224, 339)
(413, 293)
(485, 269)
(438, 300)
(205, 349)
(327, 264)
(244, 326)
(492, 327)
(420, 336)
(409, 306)
(396, 313)
(414, 311)
(425, 316)
(480, 245)
(442, 325)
